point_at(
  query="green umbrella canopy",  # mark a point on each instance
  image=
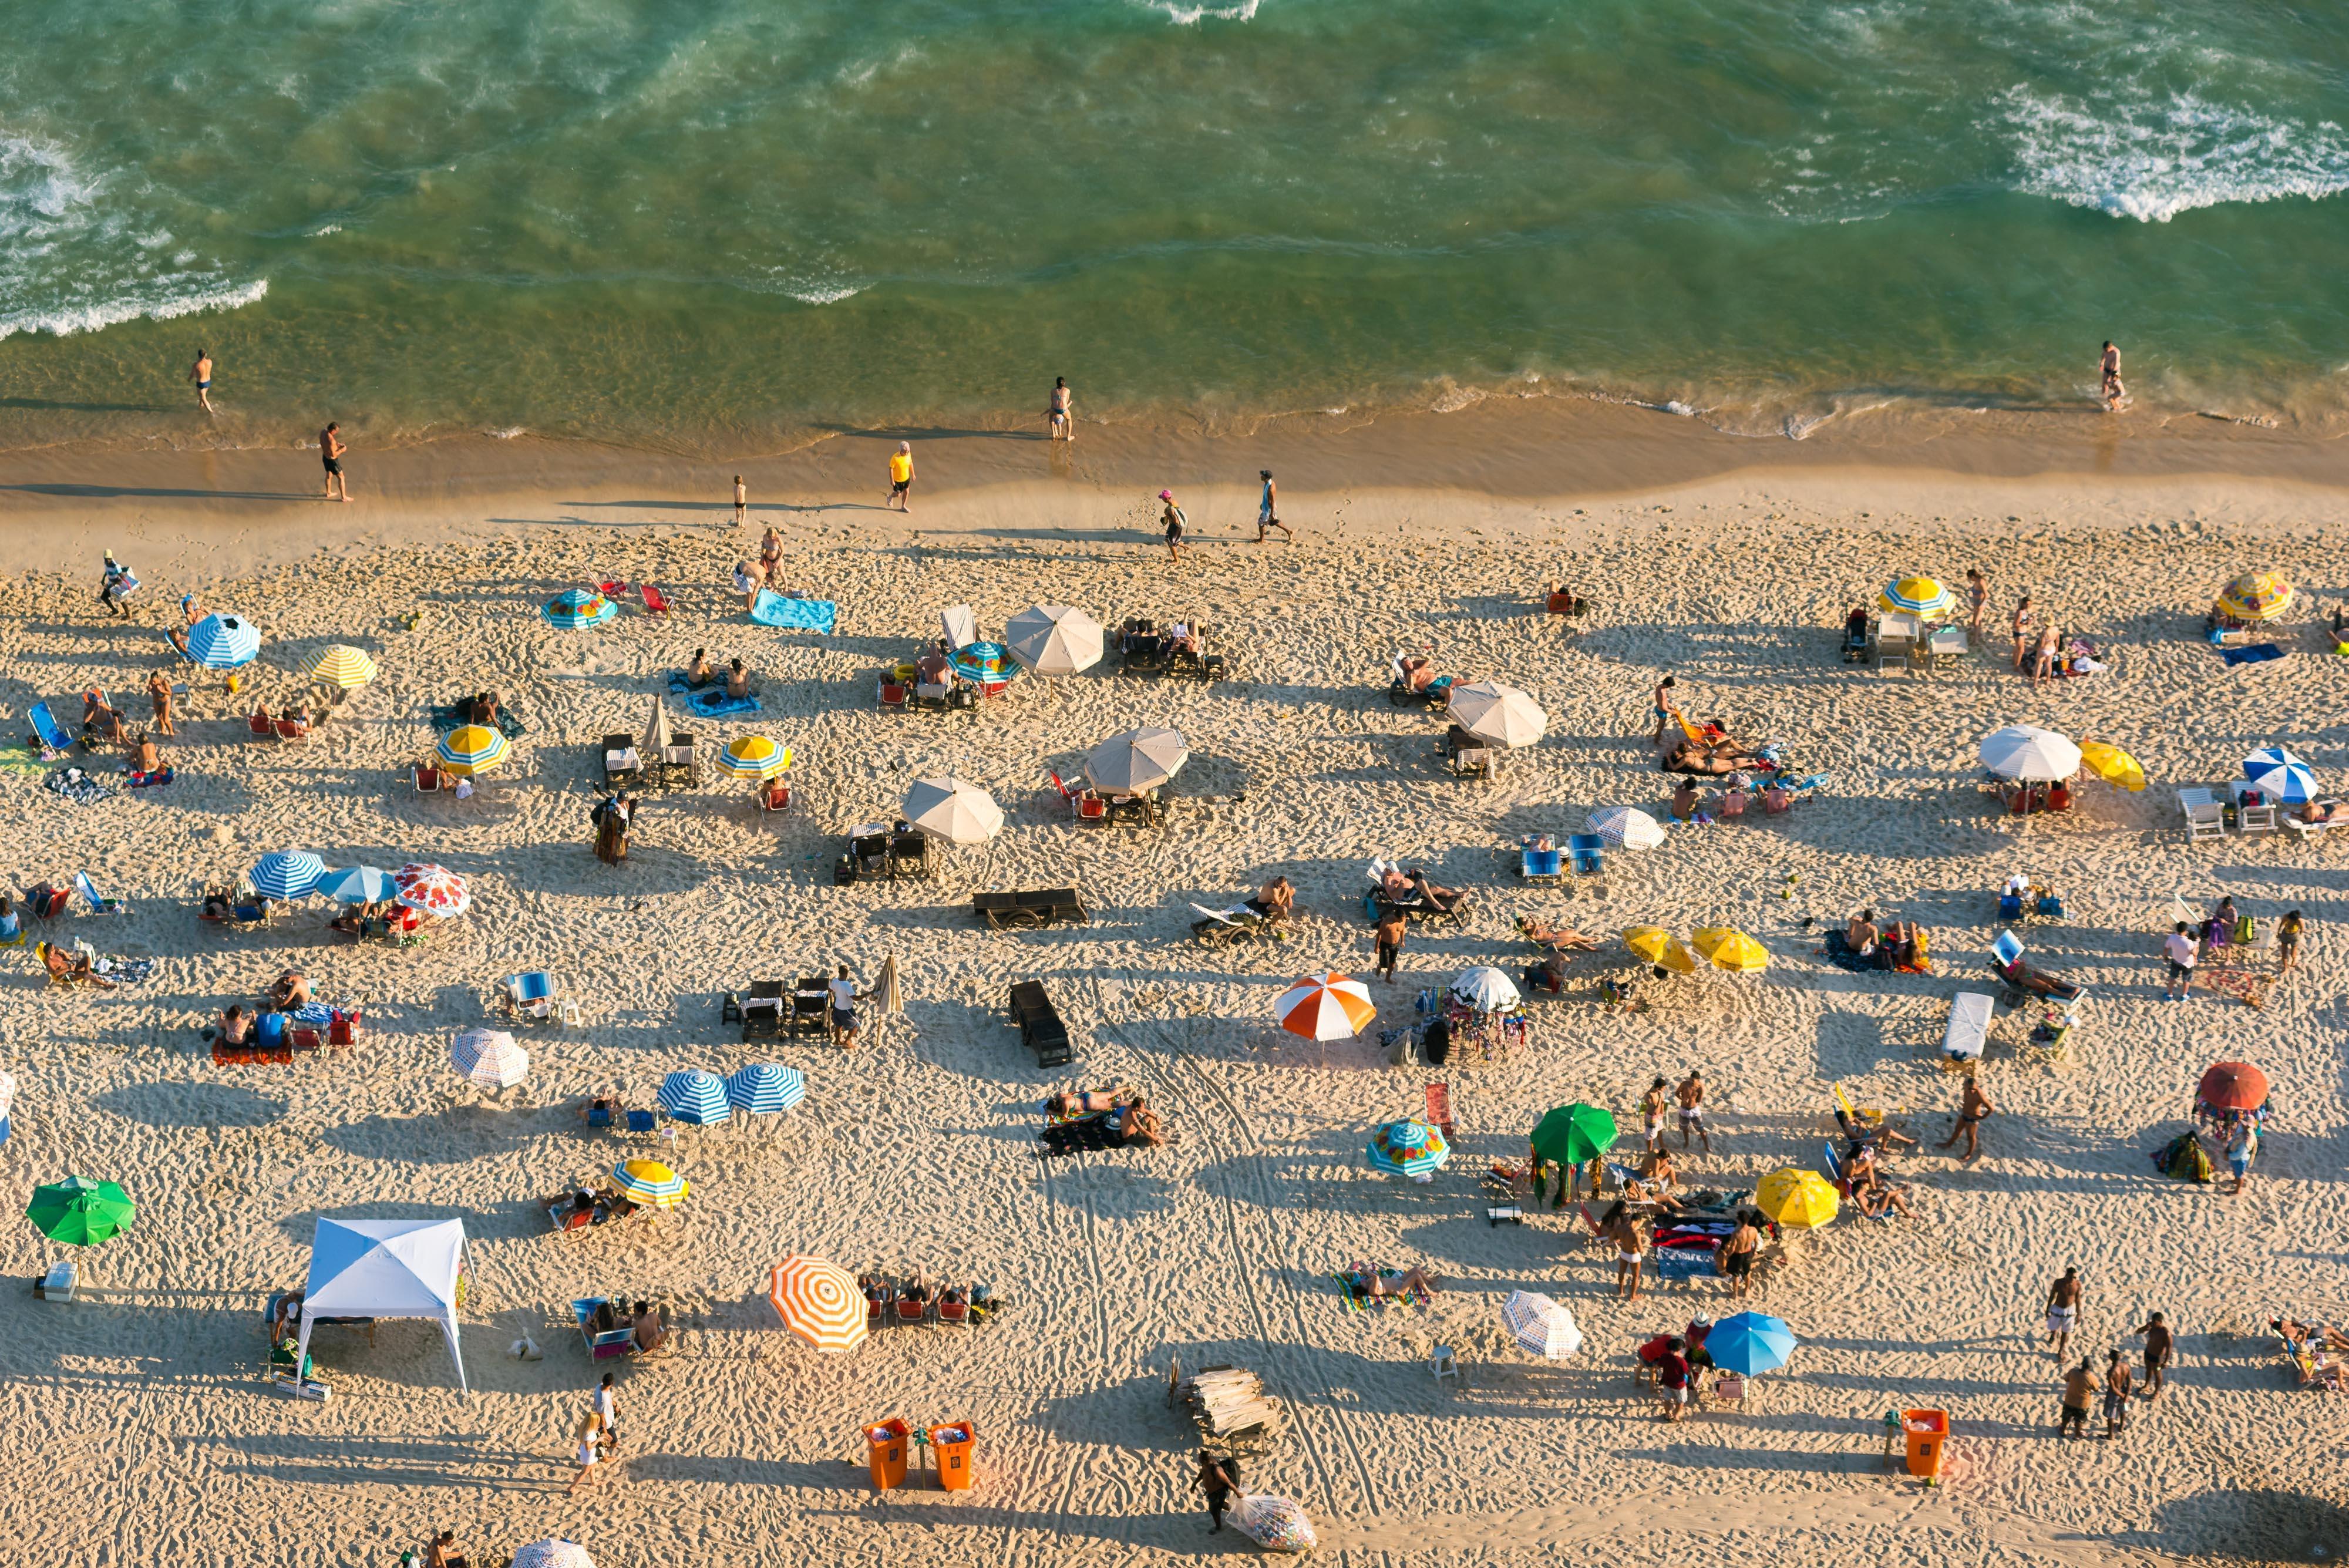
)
(1573, 1135)
(80, 1213)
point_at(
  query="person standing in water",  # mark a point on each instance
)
(1060, 416)
(201, 373)
(330, 450)
(1267, 509)
(2109, 373)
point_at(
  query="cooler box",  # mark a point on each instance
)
(1927, 1431)
(885, 1449)
(950, 1447)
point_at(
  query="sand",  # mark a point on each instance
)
(142, 1432)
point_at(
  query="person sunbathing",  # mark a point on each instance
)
(74, 969)
(1863, 1135)
(606, 1102)
(1658, 1178)
(699, 674)
(482, 708)
(150, 756)
(1710, 761)
(1876, 1195)
(738, 678)
(1087, 1102)
(1376, 1282)
(292, 992)
(1439, 898)
(577, 1208)
(1275, 901)
(2297, 1333)
(651, 1327)
(934, 668)
(235, 1026)
(2324, 813)
(1418, 672)
(1139, 1125)
(1558, 938)
(98, 720)
(1394, 887)
(1684, 807)
(1181, 638)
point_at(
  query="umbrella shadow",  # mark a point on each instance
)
(192, 1103)
(455, 1135)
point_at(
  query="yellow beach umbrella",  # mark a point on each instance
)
(341, 666)
(653, 1184)
(2113, 766)
(1730, 948)
(2257, 596)
(754, 757)
(471, 749)
(1798, 1197)
(1922, 596)
(1655, 945)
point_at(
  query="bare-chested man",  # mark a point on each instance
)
(2109, 373)
(330, 450)
(201, 373)
(1690, 1095)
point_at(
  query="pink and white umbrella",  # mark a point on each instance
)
(1326, 1007)
(434, 889)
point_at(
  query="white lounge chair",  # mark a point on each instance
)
(1968, 1030)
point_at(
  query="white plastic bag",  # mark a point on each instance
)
(1274, 1523)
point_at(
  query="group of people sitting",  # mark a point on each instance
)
(647, 1324)
(1142, 641)
(241, 1026)
(1737, 795)
(1871, 1192)
(1862, 945)
(582, 1207)
(884, 1295)
(701, 674)
(1117, 1118)
(750, 577)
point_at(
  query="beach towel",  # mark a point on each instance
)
(75, 786)
(772, 609)
(123, 971)
(137, 780)
(450, 715)
(1089, 1133)
(713, 704)
(1840, 953)
(2257, 653)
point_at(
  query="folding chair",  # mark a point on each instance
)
(655, 602)
(88, 890)
(530, 995)
(45, 724)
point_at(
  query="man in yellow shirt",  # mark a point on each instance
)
(901, 476)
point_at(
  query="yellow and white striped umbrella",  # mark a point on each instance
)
(754, 757)
(341, 666)
(649, 1182)
(471, 749)
(1730, 949)
(819, 1302)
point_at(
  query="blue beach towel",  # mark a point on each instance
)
(2257, 653)
(772, 609)
(713, 704)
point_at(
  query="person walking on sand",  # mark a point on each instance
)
(587, 1451)
(330, 452)
(2022, 637)
(1216, 1480)
(1651, 1113)
(2117, 1378)
(1977, 596)
(901, 477)
(2079, 1388)
(741, 500)
(1738, 1254)
(1392, 924)
(1174, 521)
(1060, 414)
(2287, 936)
(1660, 704)
(2109, 375)
(607, 1405)
(2180, 950)
(1267, 509)
(2159, 1343)
(201, 373)
(2064, 1309)
(1690, 1095)
(114, 585)
(1972, 1106)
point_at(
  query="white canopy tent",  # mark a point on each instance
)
(385, 1268)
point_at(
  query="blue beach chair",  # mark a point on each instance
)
(45, 725)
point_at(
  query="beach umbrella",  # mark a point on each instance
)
(1655, 945)
(1540, 1327)
(471, 749)
(1326, 1006)
(655, 735)
(286, 874)
(1136, 760)
(954, 810)
(2233, 1086)
(819, 1302)
(2112, 764)
(985, 664)
(764, 1088)
(1925, 597)
(2022, 751)
(80, 1213)
(576, 607)
(1626, 827)
(7, 1102)
(1750, 1343)
(1053, 639)
(1408, 1147)
(1501, 714)
(696, 1097)
(650, 1183)
(2279, 775)
(552, 1554)
(1485, 989)
(488, 1058)
(2256, 595)
(1727, 948)
(892, 997)
(223, 642)
(434, 889)
(1801, 1198)
(357, 885)
(753, 757)
(341, 666)
(1574, 1134)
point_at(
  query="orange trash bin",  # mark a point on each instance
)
(950, 1448)
(884, 1446)
(1927, 1431)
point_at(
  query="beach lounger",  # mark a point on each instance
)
(2250, 819)
(258, 723)
(868, 853)
(909, 855)
(1220, 927)
(47, 729)
(681, 760)
(1587, 859)
(98, 903)
(811, 1007)
(623, 766)
(1467, 756)
(762, 1010)
(1032, 908)
(2205, 818)
(1969, 1029)
(1539, 866)
(1040, 1024)
(1439, 1107)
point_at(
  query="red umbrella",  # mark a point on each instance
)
(2234, 1087)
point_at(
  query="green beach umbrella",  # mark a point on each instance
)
(80, 1213)
(1574, 1134)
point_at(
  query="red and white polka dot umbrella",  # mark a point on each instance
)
(434, 889)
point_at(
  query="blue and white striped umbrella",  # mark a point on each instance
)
(763, 1088)
(696, 1097)
(223, 641)
(576, 607)
(2278, 775)
(1408, 1147)
(288, 874)
(357, 885)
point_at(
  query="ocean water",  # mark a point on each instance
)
(717, 226)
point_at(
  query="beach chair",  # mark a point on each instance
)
(1439, 1107)
(959, 627)
(258, 723)
(909, 855)
(45, 727)
(623, 766)
(893, 689)
(1041, 1027)
(774, 796)
(1539, 866)
(602, 1343)
(1969, 1027)
(1030, 908)
(811, 1007)
(1586, 861)
(655, 601)
(1467, 756)
(2251, 819)
(426, 776)
(534, 996)
(680, 761)
(99, 904)
(1831, 1164)
(2205, 818)
(292, 729)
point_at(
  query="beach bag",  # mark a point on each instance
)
(1274, 1523)
(2184, 1160)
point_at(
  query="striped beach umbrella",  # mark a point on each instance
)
(80, 1213)
(2278, 775)
(819, 1302)
(552, 1554)
(764, 1088)
(753, 757)
(1328, 1006)
(490, 1058)
(1408, 1147)
(223, 641)
(1501, 714)
(1750, 1343)
(471, 749)
(286, 874)
(696, 1097)
(1626, 827)
(650, 1183)
(576, 607)
(1725, 947)
(2256, 595)
(985, 664)
(341, 666)
(1541, 1326)
(1923, 597)
(434, 889)
(1798, 1197)
(357, 885)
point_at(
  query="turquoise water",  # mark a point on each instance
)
(718, 226)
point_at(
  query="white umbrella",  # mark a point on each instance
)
(1136, 760)
(1626, 827)
(2020, 751)
(952, 809)
(1053, 639)
(1501, 714)
(1485, 989)
(656, 736)
(552, 1553)
(1540, 1325)
(490, 1058)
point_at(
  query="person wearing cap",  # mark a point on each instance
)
(1173, 519)
(901, 477)
(1266, 507)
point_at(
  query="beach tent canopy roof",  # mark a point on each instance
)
(385, 1268)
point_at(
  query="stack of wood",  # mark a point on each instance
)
(1230, 1403)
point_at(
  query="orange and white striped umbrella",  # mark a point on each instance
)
(1326, 1007)
(819, 1302)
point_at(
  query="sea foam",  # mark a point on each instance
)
(2152, 159)
(94, 316)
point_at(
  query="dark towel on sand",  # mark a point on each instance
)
(2257, 653)
(1092, 1132)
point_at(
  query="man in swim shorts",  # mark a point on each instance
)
(2064, 1309)
(901, 477)
(1661, 705)
(201, 375)
(1060, 417)
(1690, 1095)
(331, 450)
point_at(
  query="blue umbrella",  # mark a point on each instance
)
(576, 607)
(357, 885)
(288, 874)
(986, 664)
(223, 642)
(696, 1097)
(2277, 773)
(1408, 1147)
(764, 1088)
(1750, 1342)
